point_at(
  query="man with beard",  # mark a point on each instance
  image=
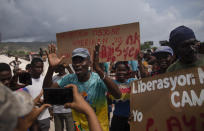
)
(93, 86)
(184, 43)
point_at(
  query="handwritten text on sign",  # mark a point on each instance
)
(168, 102)
(121, 42)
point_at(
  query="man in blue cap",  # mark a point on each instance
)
(184, 43)
(163, 56)
(92, 85)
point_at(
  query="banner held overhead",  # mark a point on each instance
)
(118, 43)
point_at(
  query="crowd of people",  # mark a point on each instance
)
(96, 86)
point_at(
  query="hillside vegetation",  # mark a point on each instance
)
(21, 48)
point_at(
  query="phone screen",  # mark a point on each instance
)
(58, 96)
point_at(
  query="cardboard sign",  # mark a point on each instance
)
(121, 42)
(169, 102)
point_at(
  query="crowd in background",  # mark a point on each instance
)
(102, 85)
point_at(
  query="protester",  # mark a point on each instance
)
(28, 68)
(17, 112)
(7, 79)
(5, 74)
(15, 63)
(183, 41)
(161, 60)
(92, 85)
(163, 56)
(61, 115)
(122, 106)
(43, 121)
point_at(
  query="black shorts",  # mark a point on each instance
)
(119, 123)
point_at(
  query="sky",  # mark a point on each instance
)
(40, 20)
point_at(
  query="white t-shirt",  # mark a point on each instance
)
(34, 90)
(57, 108)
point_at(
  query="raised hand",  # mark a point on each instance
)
(52, 56)
(96, 57)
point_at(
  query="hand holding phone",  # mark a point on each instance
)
(79, 103)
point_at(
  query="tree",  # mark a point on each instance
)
(146, 45)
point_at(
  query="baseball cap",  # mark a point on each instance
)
(83, 52)
(13, 105)
(166, 49)
(180, 34)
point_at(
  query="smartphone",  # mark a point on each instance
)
(25, 78)
(57, 96)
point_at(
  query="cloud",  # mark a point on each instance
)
(32, 20)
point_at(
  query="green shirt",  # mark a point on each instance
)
(179, 65)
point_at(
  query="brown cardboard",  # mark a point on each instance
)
(158, 112)
(120, 42)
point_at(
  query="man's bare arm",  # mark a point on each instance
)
(112, 86)
(53, 62)
(47, 83)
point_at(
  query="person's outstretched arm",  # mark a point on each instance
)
(80, 105)
(111, 85)
(53, 62)
(25, 122)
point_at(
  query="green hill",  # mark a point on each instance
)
(15, 48)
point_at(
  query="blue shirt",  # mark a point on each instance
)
(122, 105)
(93, 91)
